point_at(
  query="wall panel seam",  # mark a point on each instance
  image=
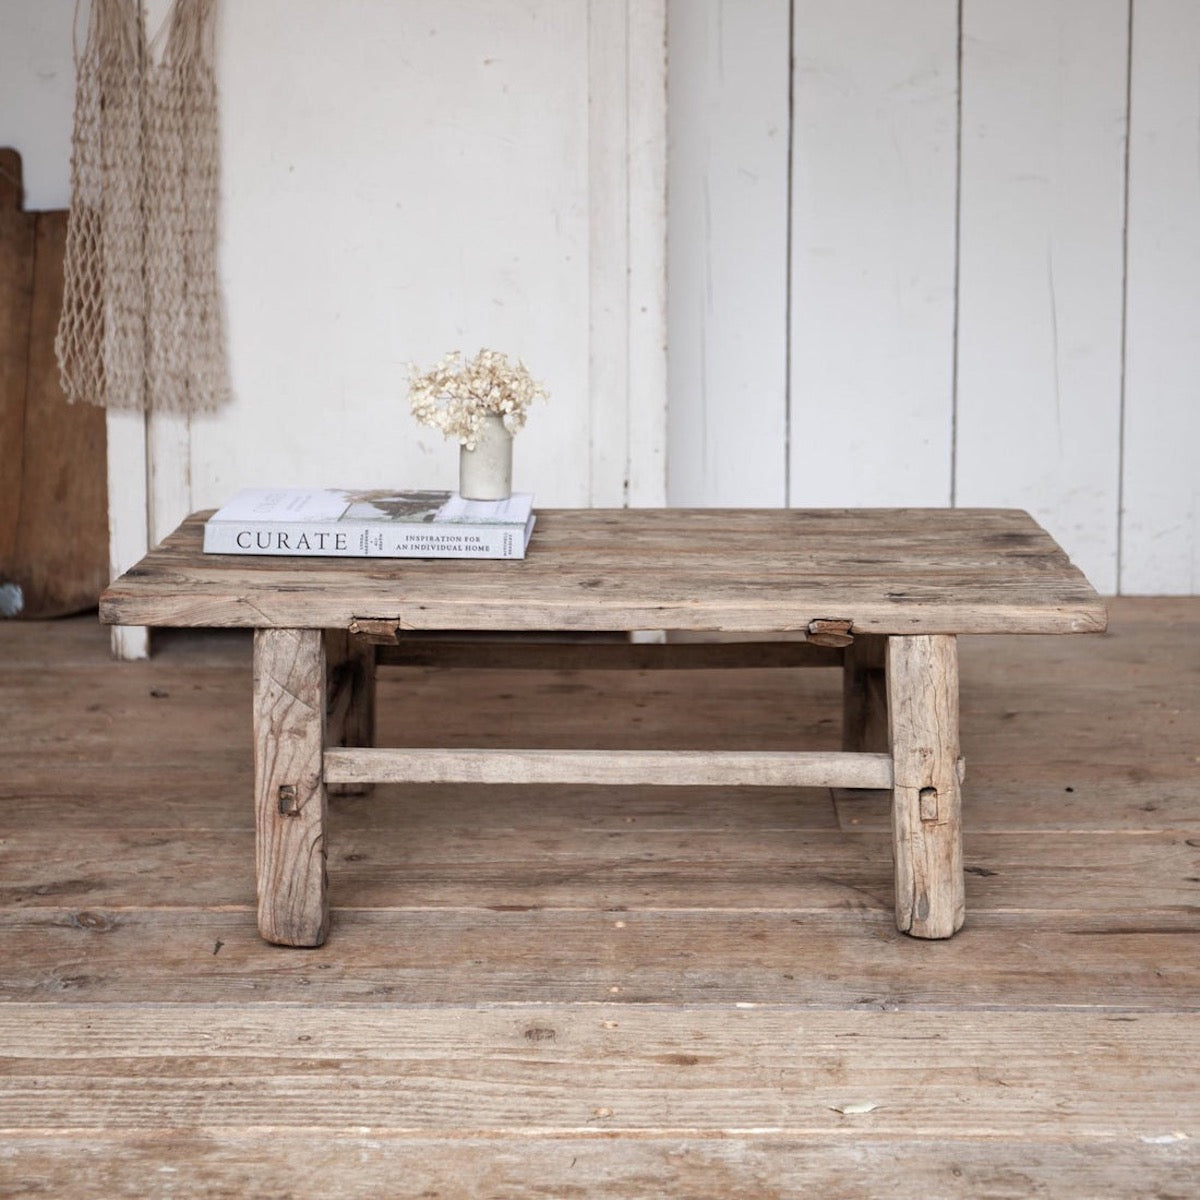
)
(1121, 404)
(958, 145)
(790, 259)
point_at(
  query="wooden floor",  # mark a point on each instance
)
(579, 992)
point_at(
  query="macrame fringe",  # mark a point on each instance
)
(142, 323)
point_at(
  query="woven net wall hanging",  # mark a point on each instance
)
(142, 325)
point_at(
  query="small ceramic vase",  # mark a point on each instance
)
(485, 472)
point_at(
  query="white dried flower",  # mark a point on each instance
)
(455, 397)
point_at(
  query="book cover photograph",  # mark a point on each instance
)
(379, 523)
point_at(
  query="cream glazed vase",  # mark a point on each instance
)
(485, 472)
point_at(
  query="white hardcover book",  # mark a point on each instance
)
(332, 523)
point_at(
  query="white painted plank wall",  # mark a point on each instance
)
(976, 316)
(406, 179)
(1160, 543)
(399, 180)
(1040, 267)
(872, 309)
(626, 276)
(727, 252)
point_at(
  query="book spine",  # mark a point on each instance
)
(363, 540)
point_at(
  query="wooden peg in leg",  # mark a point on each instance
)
(922, 679)
(290, 804)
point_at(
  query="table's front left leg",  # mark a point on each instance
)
(922, 682)
(289, 785)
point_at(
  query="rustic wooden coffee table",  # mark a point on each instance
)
(881, 592)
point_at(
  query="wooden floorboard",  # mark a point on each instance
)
(602, 992)
(840, 958)
(349, 1163)
(573, 1071)
(631, 868)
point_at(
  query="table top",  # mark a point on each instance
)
(888, 571)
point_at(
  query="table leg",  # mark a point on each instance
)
(350, 698)
(289, 784)
(922, 685)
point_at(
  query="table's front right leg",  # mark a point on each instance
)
(289, 785)
(922, 682)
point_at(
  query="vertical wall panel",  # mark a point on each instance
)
(872, 320)
(399, 180)
(627, 251)
(1041, 273)
(168, 466)
(608, 251)
(727, 251)
(646, 305)
(128, 508)
(1160, 549)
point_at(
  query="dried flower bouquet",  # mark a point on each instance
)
(455, 397)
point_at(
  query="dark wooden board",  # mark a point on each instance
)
(16, 294)
(53, 485)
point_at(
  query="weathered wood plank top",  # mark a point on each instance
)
(892, 571)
